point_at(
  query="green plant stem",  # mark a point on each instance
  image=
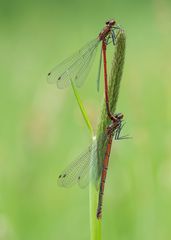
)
(95, 225)
(82, 109)
(114, 84)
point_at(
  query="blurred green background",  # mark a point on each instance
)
(42, 129)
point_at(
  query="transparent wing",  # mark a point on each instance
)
(79, 170)
(75, 68)
(99, 72)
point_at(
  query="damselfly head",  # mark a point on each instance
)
(111, 22)
(119, 116)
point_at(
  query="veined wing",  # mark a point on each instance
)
(79, 170)
(85, 168)
(89, 165)
(75, 68)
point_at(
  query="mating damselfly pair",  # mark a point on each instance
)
(75, 69)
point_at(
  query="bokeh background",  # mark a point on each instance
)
(42, 130)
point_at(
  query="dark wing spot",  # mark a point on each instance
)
(49, 73)
(79, 178)
(60, 176)
(59, 78)
(64, 175)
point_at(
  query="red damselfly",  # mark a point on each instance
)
(79, 170)
(76, 67)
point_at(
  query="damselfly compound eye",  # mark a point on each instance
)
(110, 22)
(119, 115)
